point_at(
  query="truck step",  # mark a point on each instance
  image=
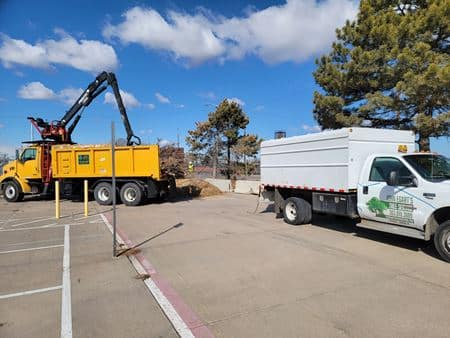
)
(391, 228)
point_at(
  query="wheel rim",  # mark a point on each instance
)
(291, 211)
(446, 240)
(103, 194)
(130, 194)
(10, 191)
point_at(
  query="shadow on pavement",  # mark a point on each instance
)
(348, 226)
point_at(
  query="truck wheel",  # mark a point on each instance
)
(12, 192)
(442, 240)
(103, 193)
(296, 211)
(131, 194)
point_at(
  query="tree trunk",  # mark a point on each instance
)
(228, 160)
(215, 158)
(424, 143)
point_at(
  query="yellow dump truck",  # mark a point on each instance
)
(137, 170)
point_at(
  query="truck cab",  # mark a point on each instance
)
(407, 194)
(18, 176)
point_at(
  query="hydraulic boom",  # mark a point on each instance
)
(59, 131)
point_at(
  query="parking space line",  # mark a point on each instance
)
(66, 304)
(32, 249)
(46, 226)
(34, 221)
(51, 225)
(30, 292)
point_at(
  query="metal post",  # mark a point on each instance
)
(86, 198)
(57, 213)
(113, 177)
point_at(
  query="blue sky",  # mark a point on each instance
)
(175, 60)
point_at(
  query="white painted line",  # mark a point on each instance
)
(30, 292)
(178, 323)
(66, 304)
(85, 217)
(35, 221)
(47, 226)
(32, 249)
(51, 225)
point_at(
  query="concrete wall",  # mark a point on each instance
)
(242, 187)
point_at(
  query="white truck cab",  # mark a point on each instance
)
(372, 175)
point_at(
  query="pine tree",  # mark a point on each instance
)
(389, 69)
(220, 132)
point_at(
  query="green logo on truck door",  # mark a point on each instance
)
(83, 159)
(397, 209)
(377, 206)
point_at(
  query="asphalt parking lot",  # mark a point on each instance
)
(58, 277)
(227, 271)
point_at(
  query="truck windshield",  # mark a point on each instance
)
(431, 167)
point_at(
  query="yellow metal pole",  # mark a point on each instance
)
(57, 199)
(86, 198)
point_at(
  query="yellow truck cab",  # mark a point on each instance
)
(20, 176)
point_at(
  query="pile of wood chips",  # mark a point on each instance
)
(196, 188)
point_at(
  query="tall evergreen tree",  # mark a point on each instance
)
(389, 69)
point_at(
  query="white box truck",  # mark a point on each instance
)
(368, 174)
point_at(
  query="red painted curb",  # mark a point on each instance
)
(198, 328)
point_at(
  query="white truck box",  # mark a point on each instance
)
(329, 160)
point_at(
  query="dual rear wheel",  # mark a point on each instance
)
(131, 194)
(297, 211)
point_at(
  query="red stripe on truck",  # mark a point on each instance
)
(303, 188)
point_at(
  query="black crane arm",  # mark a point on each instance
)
(58, 131)
(94, 89)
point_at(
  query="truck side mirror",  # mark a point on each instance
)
(17, 154)
(392, 180)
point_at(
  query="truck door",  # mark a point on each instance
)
(28, 166)
(385, 203)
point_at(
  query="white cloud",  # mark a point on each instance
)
(2, 125)
(36, 91)
(185, 36)
(236, 100)
(259, 107)
(70, 95)
(149, 106)
(179, 105)
(85, 55)
(208, 96)
(128, 99)
(293, 31)
(311, 129)
(161, 98)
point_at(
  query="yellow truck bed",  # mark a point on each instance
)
(84, 161)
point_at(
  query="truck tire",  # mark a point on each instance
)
(12, 191)
(442, 240)
(131, 194)
(296, 211)
(103, 193)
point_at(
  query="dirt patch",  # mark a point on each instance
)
(196, 188)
